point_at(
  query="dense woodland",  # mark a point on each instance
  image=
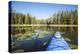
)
(61, 17)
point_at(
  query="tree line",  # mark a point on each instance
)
(62, 17)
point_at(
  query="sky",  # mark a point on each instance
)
(40, 10)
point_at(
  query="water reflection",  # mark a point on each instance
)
(69, 33)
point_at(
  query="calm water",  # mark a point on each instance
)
(69, 33)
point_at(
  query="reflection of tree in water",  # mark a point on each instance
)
(60, 18)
